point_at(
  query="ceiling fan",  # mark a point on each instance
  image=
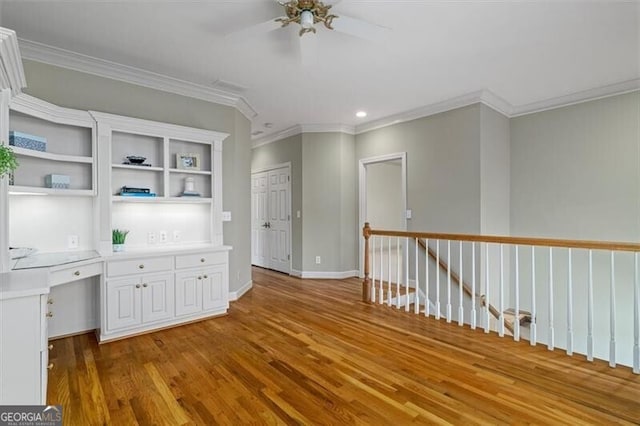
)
(308, 13)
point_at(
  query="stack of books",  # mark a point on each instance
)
(128, 191)
(190, 194)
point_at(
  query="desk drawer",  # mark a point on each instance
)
(74, 273)
(201, 259)
(139, 266)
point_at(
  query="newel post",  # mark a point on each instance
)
(366, 284)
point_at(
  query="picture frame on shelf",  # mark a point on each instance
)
(187, 161)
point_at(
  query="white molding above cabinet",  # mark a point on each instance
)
(11, 71)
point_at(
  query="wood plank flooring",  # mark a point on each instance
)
(295, 351)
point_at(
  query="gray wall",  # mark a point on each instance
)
(288, 150)
(82, 91)
(443, 167)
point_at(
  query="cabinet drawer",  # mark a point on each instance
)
(139, 266)
(200, 259)
(74, 273)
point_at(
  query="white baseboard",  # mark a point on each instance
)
(328, 275)
(295, 273)
(235, 295)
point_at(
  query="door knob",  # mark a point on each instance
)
(265, 225)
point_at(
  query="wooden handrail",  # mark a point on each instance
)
(366, 284)
(525, 241)
(466, 288)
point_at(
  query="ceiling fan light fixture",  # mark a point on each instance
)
(306, 19)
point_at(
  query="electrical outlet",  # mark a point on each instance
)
(318, 260)
(226, 216)
(72, 241)
(298, 214)
(177, 235)
(151, 238)
(163, 236)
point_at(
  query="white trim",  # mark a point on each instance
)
(296, 273)
(235, 295)
(11, 70)
(578, 97)
(272, 167)
(362, 196)
(302, 128)
(327, 275)
(30, 105)
(88, 64)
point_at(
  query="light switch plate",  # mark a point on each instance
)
(226, 216)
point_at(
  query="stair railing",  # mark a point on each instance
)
(580, 296)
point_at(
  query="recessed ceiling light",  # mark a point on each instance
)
(268, 125)
(361, 114)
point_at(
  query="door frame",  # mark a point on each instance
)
(362, 195)
(269, 168)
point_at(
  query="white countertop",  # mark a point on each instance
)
(28, 282)
(47, 260)
(168, 249)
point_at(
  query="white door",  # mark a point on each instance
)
(123, 303)
(271, 219)
(157, 297)
(213, 288)
(259, 219)
(188, 293)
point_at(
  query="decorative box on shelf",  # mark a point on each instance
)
(25, 140)
(57, 181)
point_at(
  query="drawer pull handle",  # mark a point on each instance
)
(49, 301)
(49, 315)
(202, 259)
(76, 273)
(50, 346)
(141, 266)
(137, 285)
(50, 366)
(145, 285)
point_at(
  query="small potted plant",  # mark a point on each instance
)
(118, 236)
(8, 162)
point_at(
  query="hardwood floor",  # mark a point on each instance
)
(308, 351)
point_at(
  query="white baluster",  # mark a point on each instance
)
(398, 264)
(550, 344)
(612, 313)
(448, 280)
(570, 304)
(416, 305)
(487, 318)
(501, 301)
(473, 285)
(636, 317)
(590, 309)
(373, 268)
(532, 327)
(516, 321)
(389, 271)
(406, 275)
(437, 279)
(460, 284)
(381, 295)
(427, 301)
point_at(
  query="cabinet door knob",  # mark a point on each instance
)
(50, 346)
(205, 277)
(49, 301)
(49, 315)
(50, 366)
(144, 285)
(76, 273)
(141, 266)
(202, 259)
(199, 278)
(137, 285)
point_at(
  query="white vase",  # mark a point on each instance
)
(118, 247)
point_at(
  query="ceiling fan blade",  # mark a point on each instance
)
(359, 28)
(253, 31)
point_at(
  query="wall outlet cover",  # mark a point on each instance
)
(177, 235)
(72, 241)
(226, 216)
(163, 236)
(318, 260)
(151, 238)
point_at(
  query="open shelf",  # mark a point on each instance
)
(137, 168)
(34, 190)
(192, 172)
(49, 156)
(166, 200)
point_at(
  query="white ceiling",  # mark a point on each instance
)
(522, 51)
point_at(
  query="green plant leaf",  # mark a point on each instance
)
(8, 161)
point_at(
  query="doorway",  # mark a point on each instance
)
(271, 218)
(383, 197)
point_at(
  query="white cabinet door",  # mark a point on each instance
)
(157, 298)
(123, 303)
(188, 293)
(214, 288)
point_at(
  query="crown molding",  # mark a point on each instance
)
(11, 71)
(274, 137)
(30, 105)
(578, 97)
(328, 128)
(75, 61)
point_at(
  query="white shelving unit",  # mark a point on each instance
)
(160, 144)
(70, 149)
